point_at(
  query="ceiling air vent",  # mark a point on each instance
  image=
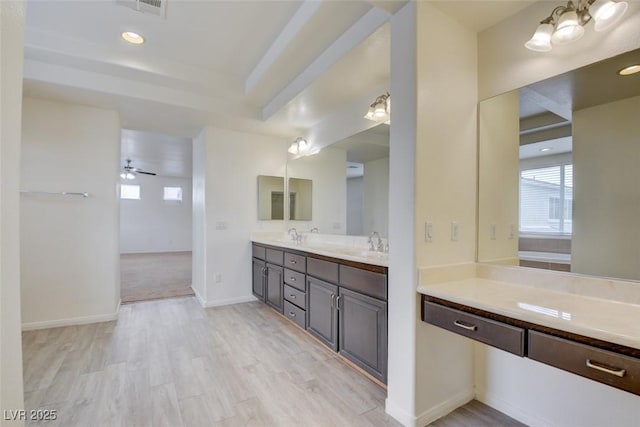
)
(153, 7)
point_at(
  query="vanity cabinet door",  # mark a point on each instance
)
(258, 278)
(322, 316)
(274, 288)
(363, 332)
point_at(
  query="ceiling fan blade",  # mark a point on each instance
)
(145, 172)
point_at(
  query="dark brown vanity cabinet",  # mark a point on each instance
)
(259, 275)
(274, 287)
(347, 310)
(322, 314)
(341, 303)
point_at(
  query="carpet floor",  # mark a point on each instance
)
(155, 275)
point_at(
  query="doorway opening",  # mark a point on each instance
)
(155, 216)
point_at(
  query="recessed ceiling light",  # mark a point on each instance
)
(631, 69)
(132, 37)
(545, 149)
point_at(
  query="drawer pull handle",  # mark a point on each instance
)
(602, 368)
(292, 314)
(465, 326)
(292, 296)
(293, 261)
(293, 279)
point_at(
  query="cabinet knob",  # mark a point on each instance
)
(293, 279)
(293, 261)
(292, 296)
(292, 314)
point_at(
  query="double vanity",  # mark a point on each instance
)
(336, 292)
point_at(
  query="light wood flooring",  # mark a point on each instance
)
(150, 276)
(172, 363)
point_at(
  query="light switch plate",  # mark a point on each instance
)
(428, 232)
(455, 231)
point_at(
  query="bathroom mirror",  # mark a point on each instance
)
(270, 197)
(350, 184)
(300, 199)
(559, 181)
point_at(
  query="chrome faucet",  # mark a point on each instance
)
(295, 236)
(379, 246)
(314, 230)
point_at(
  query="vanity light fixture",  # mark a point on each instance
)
(380, 109)
(631, 69)
(301, 147)
(133, 38)
(566, 24)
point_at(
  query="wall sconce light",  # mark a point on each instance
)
(566, 23)
(380, 109)
(301, 147)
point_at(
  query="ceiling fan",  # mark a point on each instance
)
(129, 172)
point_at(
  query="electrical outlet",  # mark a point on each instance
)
(492, 232)
(455, 231)
(218, 277)
(512, 231)
(428, 232)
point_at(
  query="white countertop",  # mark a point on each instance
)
(351, 250)
(599, 318)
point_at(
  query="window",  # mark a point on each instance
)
(131, 192)
(173, 194)
(546, 199)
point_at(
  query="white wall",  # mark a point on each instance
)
(69, 245)
(446, 157)
(354, 206)
(152, 224)
(401, 306)
(328, 171)
(376, 197)
(233, 162)
(606, 151)
(560, 398)
(199, 221)
(498, 157)
(11, 57)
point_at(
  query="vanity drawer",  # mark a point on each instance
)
(295, 279)
(295, 296)
(321, 269)
(296, 314)
(295, 262)
(604, 366)
(363, 281)
(275, 256)
(500, 335)
(258, 252)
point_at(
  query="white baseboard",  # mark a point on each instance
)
(221, 302)
(46, 324)
(444, 408)
(506, 407)
(199, 297)
(399, 414)
(430, 415)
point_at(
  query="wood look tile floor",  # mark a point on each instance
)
(172, 363)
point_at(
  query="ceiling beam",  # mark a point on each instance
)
(562, 110)
(358, 32)
(288, 34)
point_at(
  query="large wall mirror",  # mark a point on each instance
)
(559, 175)
(350, 185)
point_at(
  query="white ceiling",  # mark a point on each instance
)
(165, 155)
(480, 15)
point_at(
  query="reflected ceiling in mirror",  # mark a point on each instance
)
(558, 176)
(350, 183)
